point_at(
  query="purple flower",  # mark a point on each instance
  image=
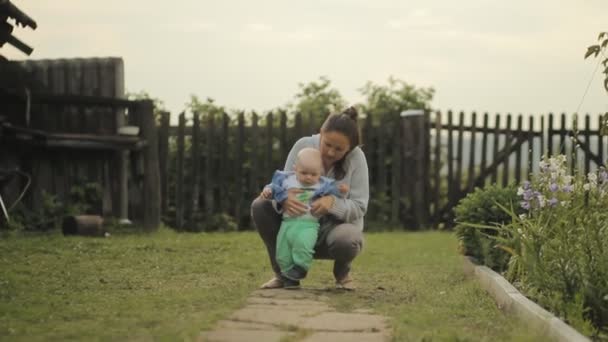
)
(528, 194)
(603, 176)
(526, 185)
(553, 202)
(553, 187)
(525, 204)
(567, 188)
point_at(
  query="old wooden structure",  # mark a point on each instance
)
(60, 122)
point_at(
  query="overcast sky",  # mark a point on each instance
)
(517, 56)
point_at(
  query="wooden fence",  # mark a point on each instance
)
(420, 166)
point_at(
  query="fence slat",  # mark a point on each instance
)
(562, 135)
(238, 170)
(210, 167)
(395, 174)
(283, 138)
(224, 167)
(381, 158)
(163, 160)
(484, 145)
(458, 181)
(450, 161)
(518, 154)
(550, 134)
(530, 146)
(179, 192)
(588, 142)
(195, 157)
(600, 139)
(472, 153)
(437, 170)
(506, 168)
(254, 171)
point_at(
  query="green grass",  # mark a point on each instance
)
(169, 286)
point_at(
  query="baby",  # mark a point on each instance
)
(298, 235)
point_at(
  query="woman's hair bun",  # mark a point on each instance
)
(351, 112)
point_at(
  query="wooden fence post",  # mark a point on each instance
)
(416, 128)
(151, 182)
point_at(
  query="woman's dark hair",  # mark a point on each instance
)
(345, 123)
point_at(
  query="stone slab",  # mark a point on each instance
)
(226, 335)
(345, 322)
(345, 337)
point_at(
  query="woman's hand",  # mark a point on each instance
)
(291, 205)
(266, 193)
(322, 205)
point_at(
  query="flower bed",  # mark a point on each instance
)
(558, 246)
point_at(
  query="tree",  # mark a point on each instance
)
(317, 99)
(595, 50)
(386, 102)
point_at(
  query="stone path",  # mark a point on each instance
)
(297, 315)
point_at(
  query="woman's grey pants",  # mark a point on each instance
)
(338, 241)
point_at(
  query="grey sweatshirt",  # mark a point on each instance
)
(352, 208)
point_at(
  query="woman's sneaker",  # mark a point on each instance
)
(274, 283)
(345, 283)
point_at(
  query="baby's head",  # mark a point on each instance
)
(309, 166)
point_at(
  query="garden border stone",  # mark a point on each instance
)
(509, 299)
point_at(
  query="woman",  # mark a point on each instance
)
(341, 225)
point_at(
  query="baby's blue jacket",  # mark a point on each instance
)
(279, 192)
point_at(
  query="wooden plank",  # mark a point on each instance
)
(381, 178)
(495, 147)
(573, 148)
(588, 141)
(163, 160)
(395, 174)
(210, 166)
(460, 154)
(542, 136)
(179, 173)
(298, 127)
(238, 170)
(268, 164)
(311, 124)
(550, 136)
(600, 140)
(484, 145)
(518, 154)
(562, 135)
(450, 161)
(472, 153)
(437, 170)
(254, 158)
(530, 147)
(506, 168)
(195, 178)
(283, 142)
(224, 162)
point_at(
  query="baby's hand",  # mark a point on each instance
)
(343, 188)
(266, 193)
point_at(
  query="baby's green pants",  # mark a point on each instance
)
(296, 243)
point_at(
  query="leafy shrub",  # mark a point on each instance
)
(483, 207)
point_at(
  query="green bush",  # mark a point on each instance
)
(483, 207)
